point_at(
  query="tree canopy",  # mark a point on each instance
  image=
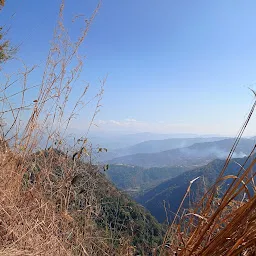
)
(6, 50)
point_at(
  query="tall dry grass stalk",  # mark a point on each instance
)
(38, 214)
(223, 225)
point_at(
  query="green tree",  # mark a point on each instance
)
(6, 51)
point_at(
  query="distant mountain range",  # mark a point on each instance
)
(114, 141)
(172, 191)
(195, 155)
(155, 146)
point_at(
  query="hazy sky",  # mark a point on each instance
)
(172, 66)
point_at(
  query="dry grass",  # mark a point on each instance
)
(37, 216)
(40, 216)
(223, 225)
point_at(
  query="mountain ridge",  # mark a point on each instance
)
(154, 146)
(172, 191)
(197, 154)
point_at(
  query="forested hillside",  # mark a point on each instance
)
(134, 179)
(164, 200)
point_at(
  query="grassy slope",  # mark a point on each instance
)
(113, 212)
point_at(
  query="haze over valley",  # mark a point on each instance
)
(157, 171)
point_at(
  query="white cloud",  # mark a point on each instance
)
(124, 123)
(130, 120)
(115, 122)
(130, 124)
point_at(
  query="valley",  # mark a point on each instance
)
(159, 180)
(135, 180)
(171, 192)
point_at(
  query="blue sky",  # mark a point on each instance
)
(172, 66)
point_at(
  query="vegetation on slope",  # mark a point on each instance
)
(53, 200)
(135, 180)
(90, 194)
(164, 200)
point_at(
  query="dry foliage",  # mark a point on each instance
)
(37, 213)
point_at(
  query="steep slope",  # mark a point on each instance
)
(172, 191)
(197, 154)
(83, 191)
